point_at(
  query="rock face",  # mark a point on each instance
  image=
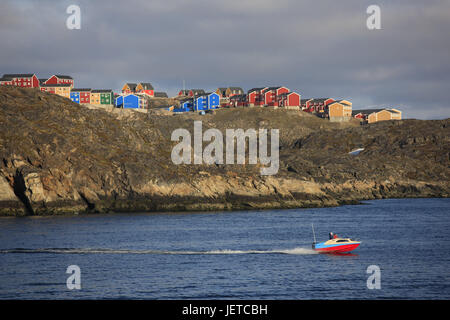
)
(59, 157)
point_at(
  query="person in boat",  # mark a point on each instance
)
(331, 235)
(335, 236)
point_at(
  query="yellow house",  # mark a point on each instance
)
(95, 97)
(62, 90)
(340, 110)
(376, 115)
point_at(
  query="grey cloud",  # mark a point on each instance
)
(319, 48)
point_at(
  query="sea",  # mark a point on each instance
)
(261, 254)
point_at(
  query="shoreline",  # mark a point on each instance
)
(147, 207)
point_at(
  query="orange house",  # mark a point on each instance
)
(129, 88)
(376, 115)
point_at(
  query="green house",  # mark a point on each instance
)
(106, 96)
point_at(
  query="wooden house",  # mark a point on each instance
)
(81, 95)
(340, 110)
(62, 90)
(27, 80)
(231, 91)
(60, 79)
(305, 104)
(289, 100)
(129, 88)
(317, 105)
(238, 100)
(222, 92)
(145, 88)
(255, 97)
(376, 115)
(131, 101)
(102, 96)
(270, 95)
(191, 92)
(183, 92)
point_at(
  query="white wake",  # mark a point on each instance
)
(298, 250)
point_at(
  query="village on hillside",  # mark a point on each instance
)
(138, 95)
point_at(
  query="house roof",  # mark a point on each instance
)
(254, 89)
(236, 89)
(240, 97)
(288, 93)
(81, 89)
(146, 85)
(369, 111)
(132, 86)
(63, 76)
(320, 99)
(305, 100)
(10, 76)
(198, 91)
(161, 95)
(101, 90)
(342, 101)
(58, 85)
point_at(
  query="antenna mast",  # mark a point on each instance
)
(314, 234)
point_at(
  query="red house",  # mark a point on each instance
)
(304, 104)
(60, 79)
(255, 97)
(271, 94)
(191, 92)
(238, 100)
(146, 88)
(318, 105)
(289, 99)
(85, 94)
(28, 80)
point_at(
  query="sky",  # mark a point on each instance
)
(318, 48)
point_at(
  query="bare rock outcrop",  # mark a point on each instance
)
(58, 157)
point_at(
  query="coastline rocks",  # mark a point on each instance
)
(58, 157)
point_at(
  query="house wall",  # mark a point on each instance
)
(384, 115)
(75, 97)
(397, 116)
(131, 102)
(336, 110)
(95, 98)
(293, 100)
(213, 100)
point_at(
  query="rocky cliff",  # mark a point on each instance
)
(59, 157)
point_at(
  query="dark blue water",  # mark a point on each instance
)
(231, 255)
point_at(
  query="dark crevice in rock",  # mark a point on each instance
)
(19, 188)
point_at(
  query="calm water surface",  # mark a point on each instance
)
(231, 255)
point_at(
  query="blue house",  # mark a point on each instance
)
(200, 103)
(207, 101)
(130, 101)
(213, 100)
(186, 104)
(75, 96)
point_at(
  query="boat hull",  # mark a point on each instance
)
(338, 248)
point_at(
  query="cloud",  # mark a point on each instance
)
(318, 48)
